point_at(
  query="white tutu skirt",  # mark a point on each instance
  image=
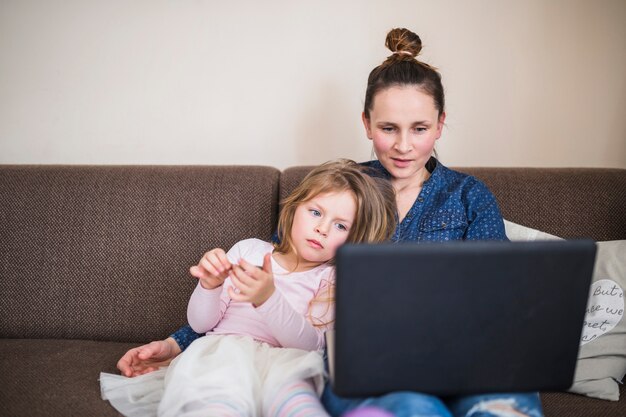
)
(235, 374)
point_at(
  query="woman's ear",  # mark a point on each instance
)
(366, 124)
(440, 124)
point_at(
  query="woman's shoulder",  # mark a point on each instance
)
(453, 179)
(467, 200)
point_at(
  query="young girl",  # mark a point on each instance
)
(266, 324)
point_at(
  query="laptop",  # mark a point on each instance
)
(459, 317)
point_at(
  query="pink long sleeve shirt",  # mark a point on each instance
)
(284, 319)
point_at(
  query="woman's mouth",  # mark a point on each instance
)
(401, 163)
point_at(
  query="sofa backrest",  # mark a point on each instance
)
(103, 252)
(567, 202)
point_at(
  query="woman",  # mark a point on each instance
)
(403, 117)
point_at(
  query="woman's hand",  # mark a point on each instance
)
(147, 358)
(251, 283)
(212, 269)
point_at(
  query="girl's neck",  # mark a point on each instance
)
(293, 263)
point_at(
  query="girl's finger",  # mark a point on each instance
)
(241, 287)
(236, 296)
(218, 258)
(206, 264)
(214, 259)
(267, 263)
(198, 272)
(243, 277)
(250, 269)
(223, 259)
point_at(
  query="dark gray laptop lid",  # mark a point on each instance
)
(460, 317)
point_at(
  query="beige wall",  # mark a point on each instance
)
(277, 82)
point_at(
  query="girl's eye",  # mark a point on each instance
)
(421, 129)
(341, 227)
(387, 129)
(315, 213)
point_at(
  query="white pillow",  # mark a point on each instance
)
(516, 231)
(602, 355)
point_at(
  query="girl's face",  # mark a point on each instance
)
(321, 225)
(404, 125)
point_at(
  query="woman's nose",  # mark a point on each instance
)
(403, 144)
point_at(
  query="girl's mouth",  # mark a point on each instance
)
(315, 244)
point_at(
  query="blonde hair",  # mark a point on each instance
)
(375, 217)
(374, 221)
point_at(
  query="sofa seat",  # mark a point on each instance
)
(56, 377)
(60, 378)
(562, 404)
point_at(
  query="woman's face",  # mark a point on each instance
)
(404, 125)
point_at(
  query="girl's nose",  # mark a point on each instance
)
(322, 228)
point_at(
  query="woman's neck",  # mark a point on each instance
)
(415, 181)
(293, 263)
(407, 190)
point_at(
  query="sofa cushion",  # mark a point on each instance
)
(602, 355)
(103, 253)
(55, 377)
(562, 404)
(567, 202)
(60, 378)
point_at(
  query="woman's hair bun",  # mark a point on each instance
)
(403, 42)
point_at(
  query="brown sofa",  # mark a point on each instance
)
(94, 260)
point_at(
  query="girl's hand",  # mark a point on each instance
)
(212, 269)
(253, 284)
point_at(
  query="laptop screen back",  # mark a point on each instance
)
(460, 317)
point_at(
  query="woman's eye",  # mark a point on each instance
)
(387, 129)
(341, 227)
(421, 129)
(314, 212)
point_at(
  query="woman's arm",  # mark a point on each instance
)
(185, 336)
(150, 357)
(483, 213)
(147, 358)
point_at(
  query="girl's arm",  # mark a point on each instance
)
(292, 329)
(206, 308)
(209, 301)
